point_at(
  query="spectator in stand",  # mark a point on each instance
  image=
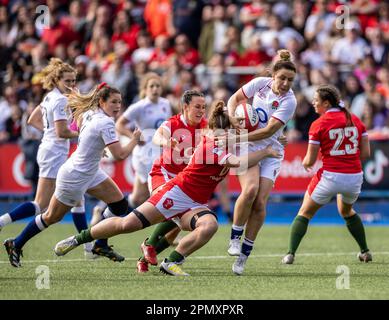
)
(93, 75)
(249, 16)
(145, 48)
(365, 10)
(13, 125)
(319, 22)
(278, 31)
(76, 19)
(298, 129)
(125, 30)
(352, 47)
(160, 56)
(383, 86)
(351, 89)
(379, 48)
(29, 143)
(59, 33)
(98, 17)
(158, 17)
(365, 68)
(369, 95)
(313, 56)
(300, 10)
(187, 56)
(187, 18)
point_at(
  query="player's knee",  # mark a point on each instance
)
(50, 219)
(259, 207)
(205, 221)
(250, 193)
(119, 207)
(346, 212)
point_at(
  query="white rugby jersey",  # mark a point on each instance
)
(97, 131)
(268, 104)
(53, 108)
(148, 116)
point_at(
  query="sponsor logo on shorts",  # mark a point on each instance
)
(168, 203)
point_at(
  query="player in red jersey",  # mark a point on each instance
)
(185, 196)
(178, 136)
(342, 140)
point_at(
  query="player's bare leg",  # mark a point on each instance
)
(243, 205)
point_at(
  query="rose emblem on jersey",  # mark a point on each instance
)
(275, 104)
(168, 203)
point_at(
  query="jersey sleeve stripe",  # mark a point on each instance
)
(64, 119)
(111, 143)
(313, 142)
(224, 159)
(278, 120)
(244, 94)
(365, 134)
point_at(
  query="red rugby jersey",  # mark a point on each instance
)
(204, 171)
(339, 143)
(188, 137)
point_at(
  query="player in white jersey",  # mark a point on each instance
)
(147, 114)
(275, 103)
(81, 172)
(51, 117)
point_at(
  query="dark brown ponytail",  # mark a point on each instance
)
(332, 95)
(218, 118)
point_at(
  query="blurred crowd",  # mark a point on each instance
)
(213, 45)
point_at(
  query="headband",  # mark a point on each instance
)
(101, 85)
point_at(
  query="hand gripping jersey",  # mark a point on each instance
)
(205, 170)
(339, 143)
(269, 105)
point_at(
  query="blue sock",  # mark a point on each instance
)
(25, 210)
(247, 246)
(32, 229)
(236, 232)
(79, 220)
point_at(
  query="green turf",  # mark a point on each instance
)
(311, 277)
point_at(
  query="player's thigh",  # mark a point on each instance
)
(106, 191)
(345, 209)
(140, 188)
(265, 187)
(249, 181)
(45, 190)
(309, 207)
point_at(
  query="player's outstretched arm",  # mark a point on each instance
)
(121, 153)
(251, 158)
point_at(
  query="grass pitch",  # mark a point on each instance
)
(313, 276)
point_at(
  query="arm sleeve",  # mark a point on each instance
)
(59, 112)
(108, 133)
(314, 133)
(254, 86)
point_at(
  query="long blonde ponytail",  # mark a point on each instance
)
(81, 103)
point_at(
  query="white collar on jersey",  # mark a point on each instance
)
(182, 118)
(333, 110)
(147, 99)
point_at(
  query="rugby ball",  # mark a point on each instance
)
(250, 116)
